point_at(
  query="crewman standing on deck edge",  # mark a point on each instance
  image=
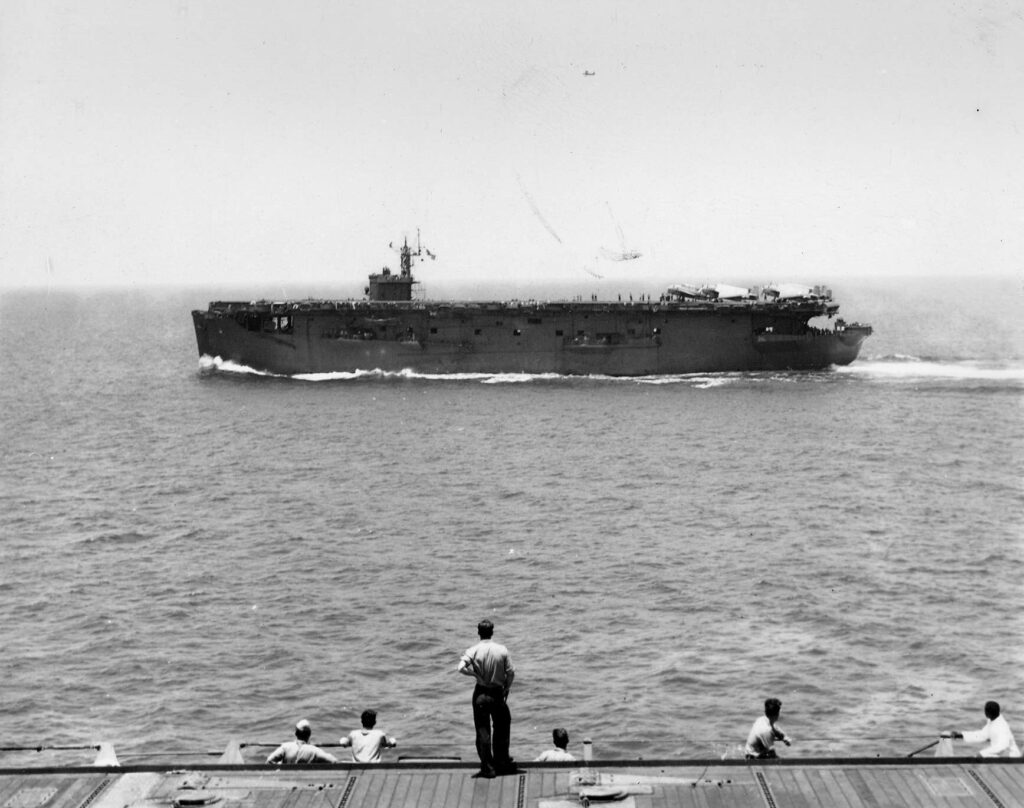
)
(488, 662)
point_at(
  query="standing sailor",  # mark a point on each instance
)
(996, 733)
(488, 662)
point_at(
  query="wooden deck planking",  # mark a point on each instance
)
(391, 778)
(864, 791)
(58, 789)
(482, 791)
(454, 784)
(437, 789)
(413, 789)
(929, 786)
(739, 793)
(447, 787)
(372, 789)
(872, 789)
(791, 788)
(9, 790)
(358, 790)
(681, 796)
(888, 784)
(10, 787)
(545, 783)
(402, 791)
(840, 789)
(844, 784)
(727, 795)
(478, 789)
(674, 797)
(709, 796)
(914, 790)
(442, 790)
(81, 789)
(419, 791)
(304, 798)
(1006, 782)
(818, 790)
(435, 793)
(288, 798)
(904, 788)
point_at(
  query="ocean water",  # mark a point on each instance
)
(189, 556)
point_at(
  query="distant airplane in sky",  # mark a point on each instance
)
(588, 72)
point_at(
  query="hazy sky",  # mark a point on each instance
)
(247, 141)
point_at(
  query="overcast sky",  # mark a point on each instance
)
(248, 141)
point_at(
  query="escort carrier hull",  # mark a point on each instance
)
(688, 330)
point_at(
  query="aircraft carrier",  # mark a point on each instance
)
(688, 329)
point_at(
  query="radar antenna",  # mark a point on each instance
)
(406, 254)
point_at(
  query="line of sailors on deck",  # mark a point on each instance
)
(367, 742)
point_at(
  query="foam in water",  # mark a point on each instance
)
(898, 367)
(217, 364)
(910, 368)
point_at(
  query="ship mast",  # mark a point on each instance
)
(407, 259)
(407, 254)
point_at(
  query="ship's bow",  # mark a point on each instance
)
(201, 325)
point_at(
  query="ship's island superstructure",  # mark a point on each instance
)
(689, 329)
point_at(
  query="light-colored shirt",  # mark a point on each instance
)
(489, 662)
(366, 744)
(291, 752)
(555, 754)
(998, 736)
(762, 737)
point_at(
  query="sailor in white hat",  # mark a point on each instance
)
(300, 750)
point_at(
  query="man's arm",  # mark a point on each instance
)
(510, 674)
(467, 665)
(277, 755)
(325, 756)
(779, 735)
(346, 741)
(976, 735)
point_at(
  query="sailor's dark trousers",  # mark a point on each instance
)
(489, 706)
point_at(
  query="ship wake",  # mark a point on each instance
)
(211, 365)
(913, 369)
(895, 368)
